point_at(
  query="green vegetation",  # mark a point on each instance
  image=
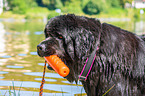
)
(38, 9)
(13, 92)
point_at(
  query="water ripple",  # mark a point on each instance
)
(22, 54)
(50, 80)
(33, 53)
(70, 89)
(3, 72)
(53, 75)
(6, 56)
(10, 66)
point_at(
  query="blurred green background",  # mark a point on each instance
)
(39, 9)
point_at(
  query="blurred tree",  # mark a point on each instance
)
(53, 4)
(20, 6)
(39, 2)
(46, 2)
(63, 1)
(129, 1)
(31, 3)
(84, 3)
(122, 2)
(113, 3)
(58, 4)
(91, 8)
(72, 6)
(95, 7)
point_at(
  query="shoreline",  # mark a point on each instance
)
(11, 19)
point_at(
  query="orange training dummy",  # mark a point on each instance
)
(55, 62)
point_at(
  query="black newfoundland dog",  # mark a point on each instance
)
(119, 62)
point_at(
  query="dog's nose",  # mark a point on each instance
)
(39, 47)
(40, 50)
(44, 50)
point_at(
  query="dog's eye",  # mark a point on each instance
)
(60, 37)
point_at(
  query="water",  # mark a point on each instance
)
(22, 68)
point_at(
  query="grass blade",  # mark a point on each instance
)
(10, 91)
(19, 89)
(14, 89)
(62, 92)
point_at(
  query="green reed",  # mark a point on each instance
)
(13, 92)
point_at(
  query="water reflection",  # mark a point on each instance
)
(2, 38)
(9, 66)
(20, 64)
(22, 54)
(2, 43)
(39, 33)
(6, 56)
(136, 27)
(50, 80)
(2, 72)
(53, 87)
(139, 27)
(32, 93)
(33, 53)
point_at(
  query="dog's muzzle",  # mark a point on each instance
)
(44, 50)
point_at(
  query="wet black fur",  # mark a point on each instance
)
(120, 60)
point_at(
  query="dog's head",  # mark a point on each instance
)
(71, 38)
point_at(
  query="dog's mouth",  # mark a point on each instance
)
(45, 52)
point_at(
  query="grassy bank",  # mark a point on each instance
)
(33, 13)
(41, 12)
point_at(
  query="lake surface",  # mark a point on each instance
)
(21, 68)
